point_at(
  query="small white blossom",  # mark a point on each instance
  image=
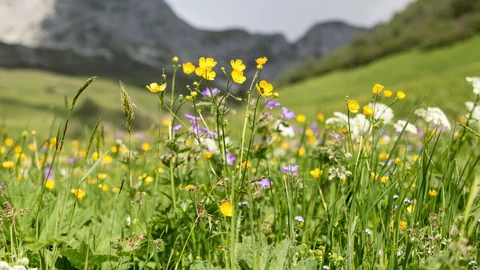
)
(475, 82)
(382, 112)
(401, 124)
(435, 116)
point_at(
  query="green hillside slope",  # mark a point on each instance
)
(438, 74)
(424, 24)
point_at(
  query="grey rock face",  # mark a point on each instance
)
(137, 38)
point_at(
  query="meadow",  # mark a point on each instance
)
(380, 179)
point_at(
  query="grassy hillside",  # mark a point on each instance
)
(33, 99)
(438, 74)
(424, 24)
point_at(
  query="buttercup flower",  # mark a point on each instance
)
(301, 118)
(432, 193)
(401, 95)
(316, 173)
(264, 88)
(353, 106)
(238, 77)
(377, 88)
(237, 65)
(205, 68)
(367, 110)
(50, 184)
(387, 93)
(261, 61)
(155, 87)
(188, 68)
(226, 209)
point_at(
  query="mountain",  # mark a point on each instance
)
(424, 24)
(133, 40)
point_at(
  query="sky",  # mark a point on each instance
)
(289, 17)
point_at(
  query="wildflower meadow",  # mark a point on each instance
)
(237, 181)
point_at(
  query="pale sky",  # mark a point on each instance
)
(290, 17)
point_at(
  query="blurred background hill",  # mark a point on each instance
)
(48, 48)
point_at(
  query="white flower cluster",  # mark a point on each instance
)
(475, 81)
(401, 124)
(358, 124)
(382, 112)
(434, 115)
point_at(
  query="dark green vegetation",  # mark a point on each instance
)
(425, 24)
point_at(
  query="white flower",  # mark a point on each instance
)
(382, 112)
(434, 115)
(285, 131)
(210, 145)
(358, 124)
(475, 81)
(474, 110)
(4, 266)
(401, 124)
(299, 219)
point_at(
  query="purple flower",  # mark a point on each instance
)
(264, 183)
(271, 103)
(287, 114)
(140, 136)
(118, 136)
(192, 118)
(230, 158)
(177, 128)
(210, 92)
(72, 160)
(48, 173)
(290, 169)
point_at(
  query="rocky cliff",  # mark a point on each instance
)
(136, 39)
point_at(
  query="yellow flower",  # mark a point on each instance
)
(148, 180)
(254, 170)
(301, 118)
(353, 106)
(264, 88)
(208, 155)
(384, 179)
(8, 142)
(238, 65)
(188, 68)
(373, 176)
(367, 110)
(261, 61)
(107, 160)
(190, 187)
(204, 69)
(18, 149)
(175, 59)
(432, 193)
(301, 151)
(247, 164)
(8, 164)
(114, 149)
(193, 94)
(24, 133)
(95, 155)
(411, 208)
(116, 189)
(316, 173)
(238, 77)
(79, 193)
(31, 147)
(320, 117)
(402, 225)
(397, 161)
(146, 147)
(401, 95)
(159, 170)
(103, 187)
(284, 146)
(377, 88)
(383, 156)
(155, 87)
(311, 139)
(166, 122)
(309, 132)
(91, 180)
(226, 209)
(50, 184)
(276, 95)
(102, 176)
(387, 93)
